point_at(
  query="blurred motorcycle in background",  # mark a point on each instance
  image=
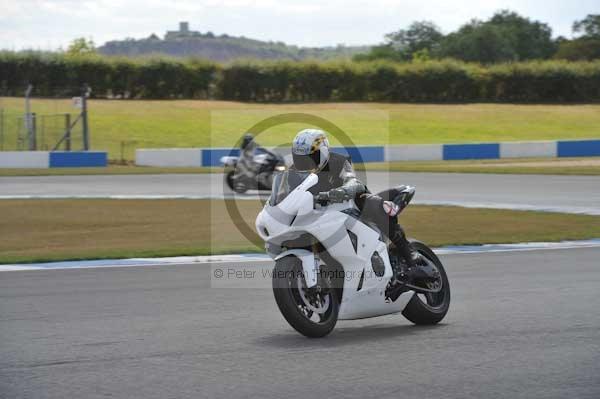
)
(253, 172)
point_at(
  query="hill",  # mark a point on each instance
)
(222, 48)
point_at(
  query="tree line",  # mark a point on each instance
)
(59, 75)
(505, 37)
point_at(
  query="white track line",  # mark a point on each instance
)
(251, 258)
(580, 210)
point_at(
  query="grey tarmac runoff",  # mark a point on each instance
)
(521, 325)
(572, 194)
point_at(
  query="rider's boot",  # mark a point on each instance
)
(417, 271)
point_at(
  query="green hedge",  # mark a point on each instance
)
(285, 81)
(57, 76)
(435, 81)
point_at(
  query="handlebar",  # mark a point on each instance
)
(323, 198)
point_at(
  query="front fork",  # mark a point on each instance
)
(310, 264)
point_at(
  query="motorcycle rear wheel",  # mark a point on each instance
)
(312, 315)
(433, 307)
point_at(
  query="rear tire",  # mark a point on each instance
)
(288, 298)
(434, 308)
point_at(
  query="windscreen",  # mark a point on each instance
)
(284, 182)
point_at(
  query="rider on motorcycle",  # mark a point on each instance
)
(249, 147)
(310, 152)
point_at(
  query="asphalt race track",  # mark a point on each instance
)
(521, 325)
(576, 194)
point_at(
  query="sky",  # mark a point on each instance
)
(51, 24)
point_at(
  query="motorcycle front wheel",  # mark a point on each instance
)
(311, 311)
(238, 187)
(430, 308)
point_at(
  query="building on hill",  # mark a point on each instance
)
(223, 48)
(184, 31)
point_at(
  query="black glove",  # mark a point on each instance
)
(337, 195)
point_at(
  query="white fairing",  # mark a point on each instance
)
(309, 264)
(296, 215)
(229, 161)
(261, 158)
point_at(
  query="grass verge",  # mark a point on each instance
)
(120, 126)
(47, 230)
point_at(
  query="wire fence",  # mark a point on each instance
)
(44, 124)
(50, 132)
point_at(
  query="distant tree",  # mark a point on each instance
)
(420, 35)
(81, 46)
(530, 39)
(589, 26)
(587, 45)
(560, 39)
(421, 55)
(506, 36)
(382, 52)
(579, 49)
(478, 42)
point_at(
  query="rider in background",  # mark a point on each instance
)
(249, 148)
(310, 152)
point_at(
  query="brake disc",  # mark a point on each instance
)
(317, 302)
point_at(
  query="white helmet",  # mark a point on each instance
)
(310, 150)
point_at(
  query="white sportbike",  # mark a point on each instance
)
(330, 265)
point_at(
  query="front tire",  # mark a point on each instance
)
(432, 308)
(312, 315)
(237, 186)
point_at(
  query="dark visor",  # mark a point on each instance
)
(307, 162)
